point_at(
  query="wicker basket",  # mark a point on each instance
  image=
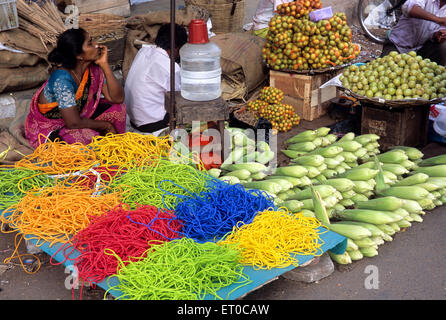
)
(314, 71)
(226, 15)
(379, 102)
(101, 24)
(242, 113)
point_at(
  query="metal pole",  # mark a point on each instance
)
(172, 61)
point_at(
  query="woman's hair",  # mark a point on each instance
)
(163, 37)
(69, 46)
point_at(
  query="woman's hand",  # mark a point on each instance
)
(109, 128)
(103, 59)
(73, 120)
(112, 89)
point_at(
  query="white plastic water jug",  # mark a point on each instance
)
(200, 65)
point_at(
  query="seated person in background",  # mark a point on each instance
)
(68, 106)
(148, 81)
(264, 13)
(420, 29)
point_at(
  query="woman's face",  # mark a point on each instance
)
(91, 52)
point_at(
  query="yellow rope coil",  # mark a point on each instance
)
(274, 238)
(130, 149)
(59, 157)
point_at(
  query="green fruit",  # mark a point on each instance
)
(408, 92)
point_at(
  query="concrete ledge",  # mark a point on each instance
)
(312, 272)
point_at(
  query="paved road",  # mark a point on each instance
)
(412, 266)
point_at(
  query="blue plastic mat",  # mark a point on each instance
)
(332, 241)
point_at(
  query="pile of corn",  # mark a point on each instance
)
(366, 198)
(319, 158)
(247, 160)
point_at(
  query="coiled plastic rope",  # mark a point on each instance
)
(97, 178)
(142, 184)
(275, 237)
(212, 213)
(179, 270)
(15, 182)
(125, 232)
(59, 157)
(54, 214)
(128, 150)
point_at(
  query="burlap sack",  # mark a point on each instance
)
(226, 15)
(26, 42)
(12, 136)
(11, 59)
(242, 52)
(11, 150)
(22, 78)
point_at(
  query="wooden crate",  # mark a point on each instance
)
(406, 126)
(303, 92)
(118, 7)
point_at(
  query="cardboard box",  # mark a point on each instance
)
(303, 92)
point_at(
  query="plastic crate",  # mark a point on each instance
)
(8, 15)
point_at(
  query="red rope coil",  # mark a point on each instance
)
(126, 232)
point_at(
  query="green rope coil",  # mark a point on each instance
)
(141, 185)
(14, 182)
(181, 269)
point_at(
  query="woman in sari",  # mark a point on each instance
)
(69, 105)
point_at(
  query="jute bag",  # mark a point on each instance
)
(12, 60)
(241, 61)
(226, 15)
(22, 78)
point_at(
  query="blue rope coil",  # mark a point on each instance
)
(211, 214)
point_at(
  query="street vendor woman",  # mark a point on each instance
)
(264, 13)
(421, 28)
(148, 81)
(69, 105)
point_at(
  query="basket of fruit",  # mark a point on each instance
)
(396, 80)
(269, 105)
(244, 114)
(297, 44)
